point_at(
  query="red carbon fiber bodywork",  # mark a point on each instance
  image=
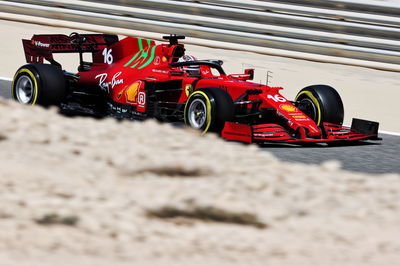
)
(125, 71)
(268, 133)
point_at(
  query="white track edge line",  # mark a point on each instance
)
(389, 133)
(8, 79)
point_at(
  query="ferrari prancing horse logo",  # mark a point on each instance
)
(188, 89)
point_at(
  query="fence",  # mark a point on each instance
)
(343, 29)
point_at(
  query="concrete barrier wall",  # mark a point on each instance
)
(340, 29)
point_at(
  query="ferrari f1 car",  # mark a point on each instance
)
(135, 78)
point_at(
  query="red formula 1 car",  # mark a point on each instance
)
(134, 78)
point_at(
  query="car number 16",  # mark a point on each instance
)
(277, 98)
(108, 58)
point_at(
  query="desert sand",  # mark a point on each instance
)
(79, 191)
(87, 192)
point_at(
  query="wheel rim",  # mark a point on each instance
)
(307, 106)
(197, 114)
(24, 89)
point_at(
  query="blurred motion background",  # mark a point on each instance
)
(342, 31)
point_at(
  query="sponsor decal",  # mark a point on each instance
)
(142, 98)
(40, 44)
(188, 89)
(206, 72)
(299, 116)
(132, 92)
(160, 71)
(276, 98)
(288, 107)
(118, 109)
(263, 135)
(157, 60)
(120, 94)
(106, 85)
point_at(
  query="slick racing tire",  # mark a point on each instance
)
(207, 109)
(40, 84)
(321, 103)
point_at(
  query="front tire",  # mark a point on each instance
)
(207, 109)
(40, 84)
(321, 103)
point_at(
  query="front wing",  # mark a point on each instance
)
(273, 133)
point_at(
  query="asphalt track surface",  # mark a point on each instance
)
(378, 157)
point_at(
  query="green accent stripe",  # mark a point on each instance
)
(132, 59)
(144, 53)
(150, 59)
(137, 63)
(136, 55)
(140, 44)
(148, 43)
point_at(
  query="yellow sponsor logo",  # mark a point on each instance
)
(288, 107)
(188, 89)
(120, 94)
(299, 116)
(132, 92)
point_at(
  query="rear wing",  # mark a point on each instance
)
(41, 47)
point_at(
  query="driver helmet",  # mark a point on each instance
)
(191, 70)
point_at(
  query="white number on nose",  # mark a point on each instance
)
(276, 98)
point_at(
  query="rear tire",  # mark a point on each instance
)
(207, 109)
(321, 103)
(40, 84)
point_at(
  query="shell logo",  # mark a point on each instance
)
(288, 107)
(132, 91)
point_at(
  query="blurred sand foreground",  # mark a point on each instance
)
(88, 192)
(366, 93)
